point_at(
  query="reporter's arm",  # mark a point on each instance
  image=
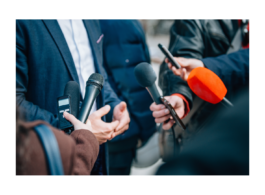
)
(233, 69)
(85, 152)
(87, 146)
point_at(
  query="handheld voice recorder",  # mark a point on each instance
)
(64, 105)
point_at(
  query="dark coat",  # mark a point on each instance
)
(78, 151)
(195, 39)
(222, 148)
(44, 65)
(233, 68)
(124, 47)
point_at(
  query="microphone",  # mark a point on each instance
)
(208, 86)
(94, 85)
(72, 88)
(146, 77)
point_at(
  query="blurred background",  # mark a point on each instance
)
(156, 31)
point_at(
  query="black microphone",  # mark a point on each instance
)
(72, 88)
(94, 85)
(146, 77)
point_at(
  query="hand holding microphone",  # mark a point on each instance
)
(77, 123)
(102, 130)
(146, 77)
(202, 81)
(162, 114)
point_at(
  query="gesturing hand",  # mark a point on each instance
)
(162, 114)
(102, 130)
(187, 65)
(120, 113)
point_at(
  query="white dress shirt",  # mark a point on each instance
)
(77, 40)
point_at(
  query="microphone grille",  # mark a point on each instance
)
(96, 79)
(145, 74)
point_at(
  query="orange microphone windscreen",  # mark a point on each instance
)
(207, 85)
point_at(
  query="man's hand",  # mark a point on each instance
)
(162, 114)
(120, 113)
(187, 65)
(102, 130)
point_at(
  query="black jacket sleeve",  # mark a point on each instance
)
(233, 69)
(186, 40)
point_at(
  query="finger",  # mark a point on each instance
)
(121, 130)
(156, 107)
(160, 113)
(168, 125)
(70, 118)
(183, 62)
(169, 66)
(122, 106)
(182, 75)
(186, 75)
(101, 112)
(162, 119)
(173, 100)
(114, 124)
(123, 122)
(176, 71)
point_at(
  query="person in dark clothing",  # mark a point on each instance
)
(124, 47)
(233, 68)
(49, 53)
(221, 149)
(196, 39)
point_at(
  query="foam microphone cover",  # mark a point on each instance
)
(207, 85)
(145, 74)
(72, 88)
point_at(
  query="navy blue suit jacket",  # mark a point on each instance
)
(125, 47)
(233, 69)
(44, 65)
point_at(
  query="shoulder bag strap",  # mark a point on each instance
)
(51, 149)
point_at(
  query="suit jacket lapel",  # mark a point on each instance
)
(93, 31)
(58, 37)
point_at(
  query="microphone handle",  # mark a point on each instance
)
(154, 94)
(92, 92)
(226, 103)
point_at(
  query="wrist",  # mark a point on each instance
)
(186, 104)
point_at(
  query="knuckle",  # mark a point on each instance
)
(109, 128)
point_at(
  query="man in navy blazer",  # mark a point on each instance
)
(44, 64)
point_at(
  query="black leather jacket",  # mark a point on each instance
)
(195, 39)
